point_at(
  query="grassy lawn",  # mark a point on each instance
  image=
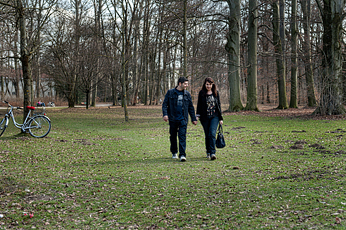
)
(95, 171)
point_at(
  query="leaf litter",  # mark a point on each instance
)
(106, 183)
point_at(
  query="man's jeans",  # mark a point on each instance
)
(178, 127)
(210, 127)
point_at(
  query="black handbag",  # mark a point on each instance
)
(220, 140)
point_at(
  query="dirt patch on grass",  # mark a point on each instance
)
(10, 185)
(316, 174)
(32, 198)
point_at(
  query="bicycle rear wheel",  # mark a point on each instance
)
(39, 126)
(3, 125)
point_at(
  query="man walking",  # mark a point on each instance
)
(176, 107)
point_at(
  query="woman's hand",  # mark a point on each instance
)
(221, 122)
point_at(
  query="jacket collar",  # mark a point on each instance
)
(178, 90)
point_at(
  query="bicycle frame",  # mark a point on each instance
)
(36, 125)
(16, 124)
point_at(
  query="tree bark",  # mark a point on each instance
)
(124, 64)
(306, 9)
(97, 10)
(1, 87)
(280, 63)
(233, 56)
(185, 40)
(71, 97)
(38, 53)
(331, 95)
(294, 80)
(252, 57)
(24, 58)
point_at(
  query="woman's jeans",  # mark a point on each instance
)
(210, 126)
(178, 127)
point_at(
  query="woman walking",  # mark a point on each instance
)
(210, 115)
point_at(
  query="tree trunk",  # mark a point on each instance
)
(146, 53)
(331, 94)
(251, 103)
(159, 67)
(294, 101)
(97, 10)
(280, 64)
(185, 40)
(113, 74)
(71, 97)
(113, 84)
(26, 67)
(344, 83)
(1, 79)
(16, 68)
(172, 73)
(135, 72)
(268, 93)
(38, 52)
(306, 8)
(136, 78)
(1, 87)
(233, 57)
(25, 59)
(87, 99)
(151, 78)
(124, 65)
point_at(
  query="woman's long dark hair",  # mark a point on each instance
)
(213, 88)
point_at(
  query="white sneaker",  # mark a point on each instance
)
(174, 156)
(182, 158)
(212, 157)
(208, 155)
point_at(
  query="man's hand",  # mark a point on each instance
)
(165, 118)
(194, 122)
(221, 122)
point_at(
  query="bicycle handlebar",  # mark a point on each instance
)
(11, 105)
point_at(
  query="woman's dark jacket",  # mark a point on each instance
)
(202, 106)
(169, 105)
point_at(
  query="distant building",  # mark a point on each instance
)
(10, 83)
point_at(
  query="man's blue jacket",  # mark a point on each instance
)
(169, 105)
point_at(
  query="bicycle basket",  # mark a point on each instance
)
(40, 110)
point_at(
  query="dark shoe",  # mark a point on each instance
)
(208, 156)
(212, 157)
(182, 158)
(174, 156)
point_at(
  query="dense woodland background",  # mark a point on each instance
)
(286, 53)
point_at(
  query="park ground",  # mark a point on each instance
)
(281, 169)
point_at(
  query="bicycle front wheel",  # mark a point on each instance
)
(39, 126)
(3, 125)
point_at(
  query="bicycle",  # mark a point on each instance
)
(37, 125)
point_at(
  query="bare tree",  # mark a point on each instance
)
(333, 14)
(252, 57)
(126, 13)
(306, 10)
(278, 39)
(98, 6)
(233, 55)
(29, 40)
(294, 62)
